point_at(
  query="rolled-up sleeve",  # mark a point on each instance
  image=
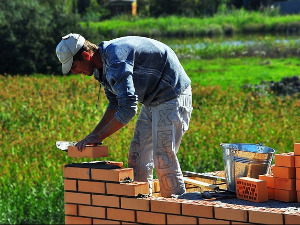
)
(112, 99)
(120, 79)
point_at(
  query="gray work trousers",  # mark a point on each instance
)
(156, 140)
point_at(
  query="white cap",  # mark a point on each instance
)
(67, 48)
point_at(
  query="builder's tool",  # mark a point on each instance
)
(63, 145)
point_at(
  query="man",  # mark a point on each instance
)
(133, 69)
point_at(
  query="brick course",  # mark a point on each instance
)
(112, 201)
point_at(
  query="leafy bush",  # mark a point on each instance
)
(30, 34)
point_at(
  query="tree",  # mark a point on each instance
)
(30, 35)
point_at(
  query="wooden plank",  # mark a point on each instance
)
(199, 183)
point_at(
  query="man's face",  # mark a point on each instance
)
(83, 66)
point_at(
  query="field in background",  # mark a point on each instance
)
(38, 110)
(222, 23)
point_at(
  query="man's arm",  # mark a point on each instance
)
(107, 117)
(106, 127)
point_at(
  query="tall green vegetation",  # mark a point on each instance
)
(223, 23)
(30, 34)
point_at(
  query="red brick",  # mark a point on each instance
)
(120, 164)
(77, 220)
(291, 219)
(71, 197)
(165, 206)
(265, 217)
(212, 221)
(71, 209)
(297, 161)
(174, 219)
(155, 186)
(192, 209)
(77, 173)
(128, 189)
(70, 185)
(121, 214)
(135, 203)
(112, 174)
(298, 196)
(284, 172)
(285, 184)
(106, 200)
(298, 173)
(99, 221)
(251, 189)
(268, 178)
(271, 193)
(297, 148)
(297, 185)
(88, 152)
(231, 214)
(91, 211)
(150, 217)
(285, 159)
(285, 195)
(90, 186)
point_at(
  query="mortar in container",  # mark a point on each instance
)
(245, 160)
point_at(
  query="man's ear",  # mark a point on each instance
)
(86, 55)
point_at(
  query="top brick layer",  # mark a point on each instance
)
(88, 152)
(97, 171)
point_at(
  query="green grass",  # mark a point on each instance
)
(236, 21)
(38, 110)
(237, 72)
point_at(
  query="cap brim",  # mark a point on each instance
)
(66, 67)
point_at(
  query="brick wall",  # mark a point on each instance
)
(104, 192)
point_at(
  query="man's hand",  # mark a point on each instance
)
(91, 139)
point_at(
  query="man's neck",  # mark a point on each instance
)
(97, 60)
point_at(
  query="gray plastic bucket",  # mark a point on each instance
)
(245, 160)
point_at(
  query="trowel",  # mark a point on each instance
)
(63, 145)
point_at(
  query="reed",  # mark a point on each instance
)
(223, 23)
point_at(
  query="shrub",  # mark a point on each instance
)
(30, 34)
